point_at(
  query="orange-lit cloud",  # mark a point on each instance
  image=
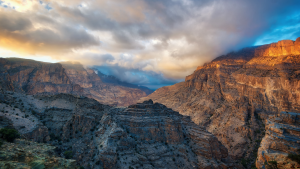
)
(162, 36)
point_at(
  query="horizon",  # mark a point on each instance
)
(147, 43)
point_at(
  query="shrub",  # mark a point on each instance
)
(244, 163)
(294, 157)
(271, 165)
(33, 112)
(9, 134)
(68, 154)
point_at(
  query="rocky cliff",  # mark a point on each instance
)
(235, 93)
(32, 77)
(144, 135)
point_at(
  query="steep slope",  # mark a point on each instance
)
(144, 135)
(94, 87)
(231, 94)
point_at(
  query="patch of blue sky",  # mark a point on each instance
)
(48, 7)
(286, 29)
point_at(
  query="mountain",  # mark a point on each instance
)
(144, 135)
(113, 80)
(235, 95)
(33, 77)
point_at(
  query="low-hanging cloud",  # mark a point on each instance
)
(169, 38)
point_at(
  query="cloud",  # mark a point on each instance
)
(168, 38)
(135, 76)
(39, 34)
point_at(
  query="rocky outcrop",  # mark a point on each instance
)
(25, 154)
(282, 48)
(282, 138)
(230, 95)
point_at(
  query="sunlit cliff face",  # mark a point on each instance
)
(165, 37)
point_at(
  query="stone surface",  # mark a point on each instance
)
(231, 95)
(282, 138)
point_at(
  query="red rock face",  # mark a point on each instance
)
(282, 48)
(231, 94)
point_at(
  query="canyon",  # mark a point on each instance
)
(143, 135)
(241, 110)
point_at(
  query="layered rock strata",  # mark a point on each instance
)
(148, 135)
(282, 138)
(230, 95)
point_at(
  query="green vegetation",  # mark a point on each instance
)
(244, 162)
(9, 134)
(295, 157)
(271, 165)
(68, 154)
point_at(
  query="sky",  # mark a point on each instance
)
(145, 42)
